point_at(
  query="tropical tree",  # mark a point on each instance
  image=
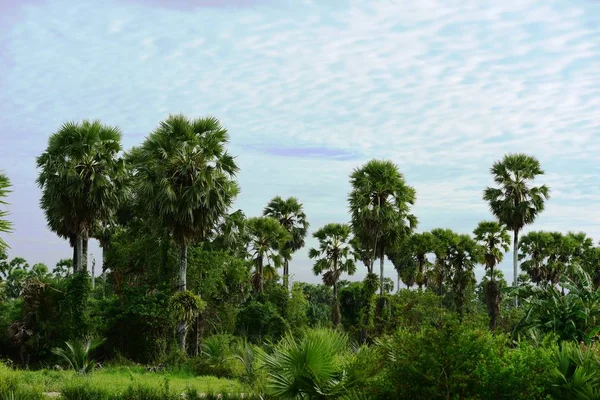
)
(266, 239)
(463, 255)
(77, 354)
(442, 241)
(380, 205)
(411, 260)
(185, 177)
(291, 216)
(82, 179)
(333, 257)
(494, 237)
(5, 225)
(515, 202)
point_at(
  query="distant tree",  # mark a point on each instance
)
(463, 255)
(291, 216)
(515, 202)
(411, 260)
(496, 240)
(81, 177)
(333, 258)
(443, 240)
(266, 239)
(63, 268)
(380, 205)
(185, 177)
(5, 225)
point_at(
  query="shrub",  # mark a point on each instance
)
(260, 321)
(458, 361)
(215, 357)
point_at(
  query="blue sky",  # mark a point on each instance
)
(311, 89)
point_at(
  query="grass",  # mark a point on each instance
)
(120, 378)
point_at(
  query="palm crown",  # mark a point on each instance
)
(81, 176)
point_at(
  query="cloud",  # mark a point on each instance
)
(311, 90)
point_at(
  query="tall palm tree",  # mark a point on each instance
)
(334, 257)
(463, 255)
(185, 176)
(291, 216)
(442, 240)
(515, 202)
(496, 240)
(266, 239)
(380, 205)
(82, 178)
(411, 258)
(5, 225)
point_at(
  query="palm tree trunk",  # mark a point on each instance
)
(286, 272)
(74, 263)
(84, 256)
(78, 264)
(261, 282)
(181, 325)
(336, 306)
(381, 260)
(516, 262)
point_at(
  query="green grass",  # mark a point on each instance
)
(120, 378)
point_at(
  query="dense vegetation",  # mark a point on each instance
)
(194, 297)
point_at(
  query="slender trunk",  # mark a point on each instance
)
(197, 334)
(74, 263)
(78, 263)
(261, 278)
(516, 262)
(286, 274)
(336, 306)
(84, 255)
(381, 260)
(93, 274)
(181, 325)
(103, 256)
(493, 295)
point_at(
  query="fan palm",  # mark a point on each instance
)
(380, 204)
(515, 202)
(334, 257)
(266, 239)
(291, 216)
(308, 367)
(411, 258)
(5, 225)
(442, 240)
(496, 240)
(82, 178)
(186, 178)
(463, 255)
(78, 353)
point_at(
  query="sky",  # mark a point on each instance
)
(310, 90)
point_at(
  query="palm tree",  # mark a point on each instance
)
(411, 258)
(442, 240)
(82, 179)
(463, 255)
(185, 177)
(5, 225)
(515, 202)
(496, 240)
(266, 239)
(380, 203)
(290, 214)
(334, 257)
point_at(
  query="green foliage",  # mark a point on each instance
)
(5, 225)
(308, 367)
(457, 361)
(186, 305)
(261, 321)
(297, 309)
(215, 357)
(576, 372)
(78, 353)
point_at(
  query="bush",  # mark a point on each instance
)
(11, 387)
(215, 358)
(458, 361)
(260, 321)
